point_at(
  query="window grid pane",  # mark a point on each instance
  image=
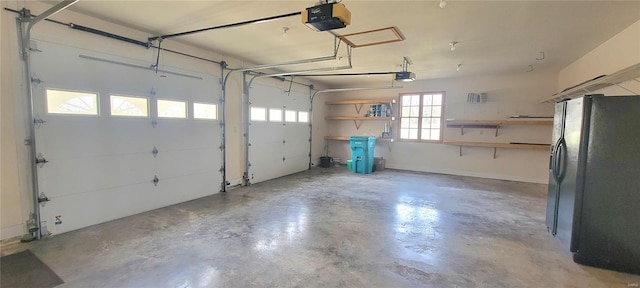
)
(290, 116)
(275, 115)
(129, 106)
(172, 109)
(303, 117)
(205, 111)
(67, 102)
(258, 114)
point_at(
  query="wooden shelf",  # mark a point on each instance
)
(359, 118)
(493, 124)
(495, 146)
(346, 138)
(499, 122)
(361, 101)
(624, 75)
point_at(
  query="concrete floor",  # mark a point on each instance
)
(331, 228)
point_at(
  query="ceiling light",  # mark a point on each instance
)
(453, 45)
(459, 66)
(443, 3)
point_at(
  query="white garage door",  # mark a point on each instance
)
(111, 129)
(278, 130)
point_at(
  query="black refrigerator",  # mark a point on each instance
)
(593, 205)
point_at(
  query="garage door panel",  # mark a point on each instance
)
(79, 210)
(78, 175)
(186, 137)
(97, 137)
(266, 133)
(189, 161)
(172, 190)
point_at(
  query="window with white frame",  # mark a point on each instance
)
(258, 114)
(275, 115)
(205, 111)
(68, 102)
(421, 116)
(129, 106)
(172, 109)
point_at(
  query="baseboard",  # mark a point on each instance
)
(7, 233)
(472, 174)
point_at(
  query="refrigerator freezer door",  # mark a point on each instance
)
(610, 223)
(552, 196)
(568, 168)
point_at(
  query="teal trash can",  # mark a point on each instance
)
(362, 148)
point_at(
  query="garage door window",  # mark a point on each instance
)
(290, 116)
(275, 115)
(129, 106)
(205, 111)
(258, 114)
(303, 117)
(75, 103)
(172, 109)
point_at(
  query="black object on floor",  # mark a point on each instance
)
(23, 269)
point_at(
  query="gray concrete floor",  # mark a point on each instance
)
(331, 228)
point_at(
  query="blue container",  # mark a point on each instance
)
(362, 148)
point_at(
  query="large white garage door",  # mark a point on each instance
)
(110, 129)
(278, 130)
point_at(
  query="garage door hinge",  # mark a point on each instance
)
(284, 141)
(152, 92)
(283, 159)
(154, 123)
(154, 151)
(155, 180)
(221, 147)
(36, 80)
(221, 169)
(40, 160)
(27, 142)
(43, 199)
(249, 164)
(38, 121)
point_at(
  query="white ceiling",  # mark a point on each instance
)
(494, 36)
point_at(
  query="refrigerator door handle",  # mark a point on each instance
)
(554, 159)
(561, 167)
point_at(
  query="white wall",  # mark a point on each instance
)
(617, 53)
(508, 95)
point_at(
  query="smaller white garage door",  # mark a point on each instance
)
(278, 130)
